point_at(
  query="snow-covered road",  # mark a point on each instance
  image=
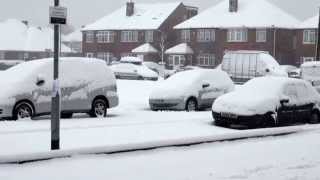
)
(133, 123)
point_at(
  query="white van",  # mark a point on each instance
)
(310, 71)
(245, 65)
(87, 86)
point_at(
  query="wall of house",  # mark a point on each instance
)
(283, 48)
(304, 50)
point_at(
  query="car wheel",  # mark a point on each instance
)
(99, 108)
(23, 110)
(191, 105)
(66, 115)
(314, 118)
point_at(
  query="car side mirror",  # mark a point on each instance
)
(40, 81)
(205, 85)
(284, 101)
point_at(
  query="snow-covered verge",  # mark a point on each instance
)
(281, 158)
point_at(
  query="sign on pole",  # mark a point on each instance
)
(58, 15)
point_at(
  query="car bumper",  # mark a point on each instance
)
(5, 112)
(174, 104)
(225, 119)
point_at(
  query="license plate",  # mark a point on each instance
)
(229, 115)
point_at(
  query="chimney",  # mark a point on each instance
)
(25, 22)
(233, 5)
(130, 8)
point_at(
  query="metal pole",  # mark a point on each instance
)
(318, 40)
(55, 105)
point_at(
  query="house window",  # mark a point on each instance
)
(105, 36)
(309, 37)
(90, 55)
(129, 36)
(261, 35)
(107, 56)
(2, 55)
(237, 35)
(177, 60)
(206, 60)
(308, 59)
(89, 37)
(185, 35)
(149, 36)
(205, 35)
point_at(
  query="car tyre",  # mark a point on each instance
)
(99, 108)
(191, 105)
(66, 115)
(23, 110)
(314, 118)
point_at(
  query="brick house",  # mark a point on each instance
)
(235, 25)
(143, 30)
(20, 41)
(307, 38)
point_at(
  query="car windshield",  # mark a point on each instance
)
(263, 86)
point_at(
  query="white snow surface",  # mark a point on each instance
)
(283, 158)
(130, 59)
(182, 48)
(144, 49)
(130, 68)
(310, 23)
(251, 14)
(146, 16)
(75, 36)
(262, 95)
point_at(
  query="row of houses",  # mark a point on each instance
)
(177, 35)
(21, 41)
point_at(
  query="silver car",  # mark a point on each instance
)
(190, 90)
(86, 86)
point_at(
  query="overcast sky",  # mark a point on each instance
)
(82, 12)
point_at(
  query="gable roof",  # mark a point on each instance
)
(182, 48)
(145, 48)
(251, 14)
(16, 36)
(311, 23)
(146, 16)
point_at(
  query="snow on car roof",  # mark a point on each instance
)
(251, 13)
(146, 16)
(311, 64)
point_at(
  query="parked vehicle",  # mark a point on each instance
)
(310, 71)
(292, 71)
(132, 68)
(87, 86)
(268, 101)
(190, 90)
(245, 65)
(6, 64)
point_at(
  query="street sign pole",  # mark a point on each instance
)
(318, 40)
(55, 104)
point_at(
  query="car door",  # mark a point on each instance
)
(43, 79)
(305, 106)
(209, 91)
(74, 86)
(287, 110)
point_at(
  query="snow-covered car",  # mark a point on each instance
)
(190, 90)
(133, 68)
(292, 71)
(310, 71)
(245, 65)
(268, 101)
(87, 86)
(6, 64)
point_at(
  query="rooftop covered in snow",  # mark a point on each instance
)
(75, 36)
(311, 23)
(145, 16)
(250, 14)
(18, 36)
(182, 48)
(145, 49)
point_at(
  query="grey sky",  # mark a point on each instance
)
(82, 12)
